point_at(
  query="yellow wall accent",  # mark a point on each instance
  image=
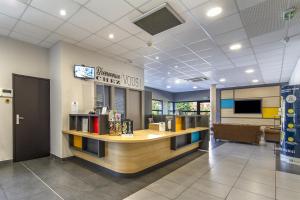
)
(270, 113)
(77, 141)
(178, 124)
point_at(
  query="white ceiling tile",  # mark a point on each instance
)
(242, 4)
(88, 20)
(136, 3)
(167, 44)
(268, 37)
(145, 51)
(202, 45)
(196, 62)
(244, 61)
(188, 57)
(131, 55)
(119, 34)
(268, 46)
(96, 42)
(115, 49)
(7, 22)
(231, 37)
(179, 51)
(12, 8)
(193, 3)
(127, 24)
(132, 43)
(241, 52)
(54, 38)
(190, 36)
(53, 7)
(228, 7)
(150, 5)
(245, 44)
(110, 10)
(25, 38)
(144, 36)
(225, 24)
(46, 44)
(82, 2)
(84, 45)
(72, 31)
(31, 30)
(41, 19)
(24, 1)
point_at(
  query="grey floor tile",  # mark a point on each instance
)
(220, 178)
(237, 194)
(212, 188)
(284, 194)
(193, 194)
(166, 188)
(181, 178)
(145, 194)
(2, 194)
(45, 195)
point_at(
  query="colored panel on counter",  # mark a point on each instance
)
(96, 125)
(195, 137)
(270, 113)
(227, 103)
(178, 123)
(77, 142)
(92, 146)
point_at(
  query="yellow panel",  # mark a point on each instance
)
(273, 91)
(273, 102)
(77, 141)
(227, 94)
(230, 113)
(270, 113)
(178, 123)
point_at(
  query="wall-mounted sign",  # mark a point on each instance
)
(118, 79)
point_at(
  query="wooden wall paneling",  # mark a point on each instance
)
(271, 102)
(227, 94)
(230, 113)
(251, 121)
(271, 91)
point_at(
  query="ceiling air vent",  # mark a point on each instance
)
(159, 19)
(197, 79)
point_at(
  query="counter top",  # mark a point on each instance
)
(138, 136)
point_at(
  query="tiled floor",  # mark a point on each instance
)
(232, 171)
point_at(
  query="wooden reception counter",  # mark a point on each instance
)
(137, 153)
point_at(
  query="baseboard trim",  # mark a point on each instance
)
(3, 162)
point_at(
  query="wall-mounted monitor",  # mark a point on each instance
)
(84, 72)
(247, 106)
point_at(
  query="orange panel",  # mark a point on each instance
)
(178, 123)
(77, 142)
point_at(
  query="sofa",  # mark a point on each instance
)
(237, 133)
(272, 134)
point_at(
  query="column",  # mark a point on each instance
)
(213, 105)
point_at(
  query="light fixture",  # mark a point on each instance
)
(63, 12)
(255, 81)
(222, 80)
(214, 12)
(168, 86)
(111, 36)
(169, 73)
(249, 71)
(176, 66)
(177, 81)
(156, 57)
(195, 87)
(236, 46)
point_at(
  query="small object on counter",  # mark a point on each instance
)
(85, 125)
(160, 126)
(127, 127)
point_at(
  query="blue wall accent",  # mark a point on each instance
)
(195, 137)
(227, 103)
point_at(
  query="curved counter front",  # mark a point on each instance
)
(137, 153)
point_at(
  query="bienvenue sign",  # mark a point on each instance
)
(119, 79)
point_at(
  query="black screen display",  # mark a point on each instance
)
(247, 106)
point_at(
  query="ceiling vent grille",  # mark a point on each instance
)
(159, 19)
(197, 79)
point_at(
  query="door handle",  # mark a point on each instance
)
(18, 118)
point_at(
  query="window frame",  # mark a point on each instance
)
(162, 107)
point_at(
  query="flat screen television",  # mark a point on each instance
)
(84, 72)
(247, 106)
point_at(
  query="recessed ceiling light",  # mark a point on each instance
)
(214, 12)
(168, 86)
(176, 66)
(222, 80)
(255, 81)
(177, 81)
(195, 87)
(156, 57)
(63, 12)
(236, 46)
(169, 72)
(111, 36)
(249, 71)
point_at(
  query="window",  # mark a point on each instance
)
(120, 102)
(157, 107)
(186, 107)
(102, 96)
(171, 108)
(204, 108)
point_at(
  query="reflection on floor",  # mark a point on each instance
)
(230, 171)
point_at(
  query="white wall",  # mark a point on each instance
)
(70, 89)
(295, 79)
(19, 58)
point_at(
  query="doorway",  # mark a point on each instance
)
(31, 117)
(134, 108)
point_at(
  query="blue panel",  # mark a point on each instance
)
(227, 103)
(195, 136)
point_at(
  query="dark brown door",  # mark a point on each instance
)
(134, 108)
(31, 117)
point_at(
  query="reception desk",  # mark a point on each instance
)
(130, 155)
